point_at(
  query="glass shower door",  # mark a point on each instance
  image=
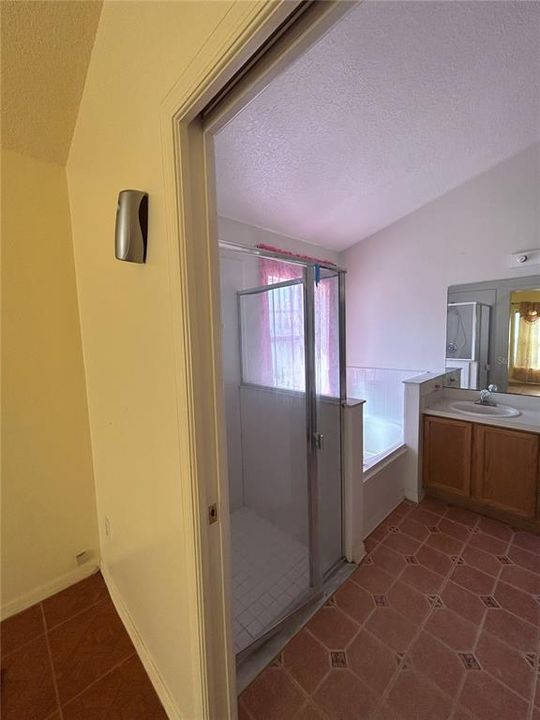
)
(329, 392)
(282, 322)
(271, 530)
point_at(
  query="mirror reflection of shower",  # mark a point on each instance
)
(467, 341)
(458, 335)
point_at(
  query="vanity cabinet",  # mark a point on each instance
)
(505, 469)
(447, 454)
(489, 468)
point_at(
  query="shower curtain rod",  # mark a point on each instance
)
(278, 256)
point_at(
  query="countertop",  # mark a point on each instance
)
(529, 420)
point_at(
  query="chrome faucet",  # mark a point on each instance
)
(486, 396)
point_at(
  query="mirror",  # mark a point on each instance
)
(493, 334)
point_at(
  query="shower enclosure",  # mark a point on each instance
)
(284, 375)
(467, 341)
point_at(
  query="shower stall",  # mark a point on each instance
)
(467, 342)
(284, 378)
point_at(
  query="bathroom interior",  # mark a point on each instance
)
(372, 251)
(360, 536)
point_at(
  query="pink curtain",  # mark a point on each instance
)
(282, 336)
(327, 336)
(282, 326)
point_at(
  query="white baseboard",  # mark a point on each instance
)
(142, 651)
(44, 591)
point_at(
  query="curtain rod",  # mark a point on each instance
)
(284, 257)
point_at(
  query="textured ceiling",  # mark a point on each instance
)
(397, 104)
(46, 47)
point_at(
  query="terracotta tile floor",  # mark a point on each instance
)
(70, 658)
(441, 621)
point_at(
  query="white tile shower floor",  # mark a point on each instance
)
(270, 571)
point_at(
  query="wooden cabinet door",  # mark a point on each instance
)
(447, 454)
(505, 469)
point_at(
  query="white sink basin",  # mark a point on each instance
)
(471, 408)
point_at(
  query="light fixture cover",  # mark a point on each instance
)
(525, 258)
(131, 226)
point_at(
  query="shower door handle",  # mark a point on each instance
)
(318, 441)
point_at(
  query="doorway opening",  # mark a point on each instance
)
(191, 116)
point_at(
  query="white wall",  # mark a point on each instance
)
(398, 278)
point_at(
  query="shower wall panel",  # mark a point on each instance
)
(274, 452)
(232, 270)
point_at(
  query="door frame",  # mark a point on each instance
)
(191, 237)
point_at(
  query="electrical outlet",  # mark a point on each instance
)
(82, 557)
(108, 529)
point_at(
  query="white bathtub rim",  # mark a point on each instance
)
(389, 457)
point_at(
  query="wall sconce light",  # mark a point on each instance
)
(131, 232)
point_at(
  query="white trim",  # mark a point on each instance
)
(142, 651)
(44, 591)
(384, 461)
(353, 486)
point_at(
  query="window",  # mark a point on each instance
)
(285, 332)
(525, 342)
(273, 345)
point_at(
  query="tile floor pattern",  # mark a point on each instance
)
(270, 571)
(440, 622)
(70, 658)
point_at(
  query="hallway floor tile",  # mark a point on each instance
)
(70, 657)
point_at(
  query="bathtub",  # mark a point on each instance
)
(385, 458)
(381, 437)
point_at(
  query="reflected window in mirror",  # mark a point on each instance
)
(524, 343)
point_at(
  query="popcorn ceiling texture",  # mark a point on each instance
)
(46, 48)
(396, 105)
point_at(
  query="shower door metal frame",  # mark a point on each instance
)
(340, 275)
(308, 281)
(311, 428)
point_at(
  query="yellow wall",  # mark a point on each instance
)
(48, 501)
(141, 50)
(525, 296)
